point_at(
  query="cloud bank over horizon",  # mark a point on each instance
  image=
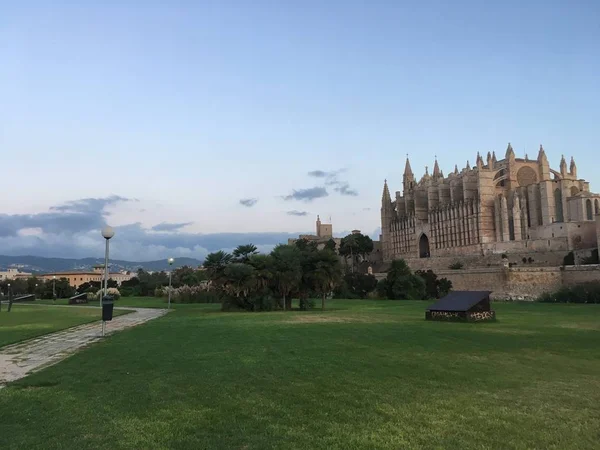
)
(72, 230)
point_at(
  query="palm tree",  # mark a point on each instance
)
(325, 274)
(238, 279)
(263, 266)
(243, 252)
(287, 265)
(215, 264)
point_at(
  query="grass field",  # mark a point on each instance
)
(28, 321)
(137, 302)
(364, 374)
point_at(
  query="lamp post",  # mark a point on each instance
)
(171, 260)
(54, 288)
(107, 234)
(35, 292)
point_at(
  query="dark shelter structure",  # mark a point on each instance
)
(465, 306)
(78, 299)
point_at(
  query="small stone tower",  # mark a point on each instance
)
(324, 230)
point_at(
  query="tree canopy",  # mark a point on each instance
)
(253, 282)
(356, 247)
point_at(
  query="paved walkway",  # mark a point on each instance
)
(18, 360)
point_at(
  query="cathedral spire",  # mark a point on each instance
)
(436, 169)
(408, 181)
(490, 161)
(541, 154)
(573, 168)
(385, 197)
(468, 165)
(407, 169)
(455, 169)
(494, 157)
(510, 153)
(563, 165)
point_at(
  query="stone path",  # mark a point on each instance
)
(18, 360)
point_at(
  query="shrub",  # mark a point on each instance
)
(435, 288)
(457, 265)
(306, 304)
(402, 284)
(113, 292)
(188, 294)
(358, 285)
(259, 302)
(524, 260)
(581, 293)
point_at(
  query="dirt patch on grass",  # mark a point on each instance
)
(313, 318)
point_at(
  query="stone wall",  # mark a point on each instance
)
(490, 260)
(520, 283)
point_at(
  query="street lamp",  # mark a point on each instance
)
(107, 233)
(54, 288)
(35, 292)
(171, 260)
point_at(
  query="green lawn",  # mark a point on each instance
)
(27, 321)
(137, 302)
(362, 375)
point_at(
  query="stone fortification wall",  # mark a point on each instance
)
(539, 259)
(520, 283)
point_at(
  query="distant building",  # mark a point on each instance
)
(324, 234)
(12, 274)
(77, 278)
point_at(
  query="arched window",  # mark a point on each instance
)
(588, 209)
(559, 206)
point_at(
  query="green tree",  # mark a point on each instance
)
(263, 267)
(434, 287)
(188, 276)
(324, 273)
(330, 245)
(287, 271)
(63, 289)
(402, 284)
(31, 284)
(243, 252)
(360, 284)
(238, 279)
(215, 263)
(356, 247)
(148, 282)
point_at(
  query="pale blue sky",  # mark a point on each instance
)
(191, 107)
